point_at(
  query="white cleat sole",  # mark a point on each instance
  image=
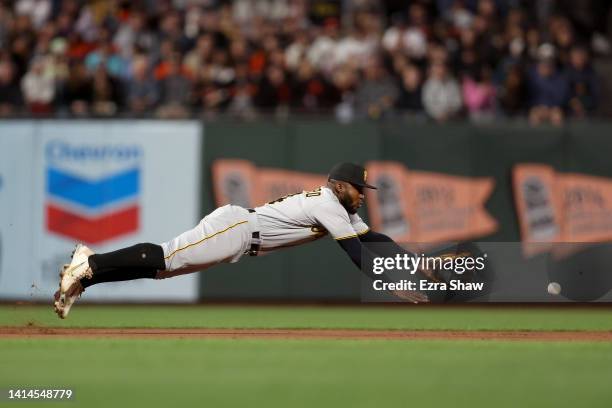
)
(77, 269)
(57, 306)
(70, 288)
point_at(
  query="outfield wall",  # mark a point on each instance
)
(320, 271)
(149, 180)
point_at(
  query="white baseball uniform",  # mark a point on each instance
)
(232, 231)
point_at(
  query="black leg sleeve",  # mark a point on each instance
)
(140, 256)
(116, 275)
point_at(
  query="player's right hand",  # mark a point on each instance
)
(413, 296)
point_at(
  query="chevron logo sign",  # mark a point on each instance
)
(92, 190)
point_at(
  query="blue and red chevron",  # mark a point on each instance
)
(92, 211)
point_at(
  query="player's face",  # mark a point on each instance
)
(352, 198)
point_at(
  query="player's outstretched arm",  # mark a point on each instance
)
(372, 236)
(363, 258)
(391, 249)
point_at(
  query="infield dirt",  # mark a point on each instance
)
(40, 332)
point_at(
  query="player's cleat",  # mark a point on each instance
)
(70, 287)
(77, 269)
(62, 308)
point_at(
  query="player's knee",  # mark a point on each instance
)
(151, 255)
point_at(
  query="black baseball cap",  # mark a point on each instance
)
(351, 173)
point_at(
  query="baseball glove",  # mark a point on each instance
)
(413, 296)
(456, 257)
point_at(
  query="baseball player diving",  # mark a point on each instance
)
(230, 232)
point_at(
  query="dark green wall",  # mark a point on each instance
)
(320, 271)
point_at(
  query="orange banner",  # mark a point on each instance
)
(587, 201)
(234, 182)
(537, 202)
(424, 207)
(389, 207)
(240, 182)
(409, 206)
(561, 208)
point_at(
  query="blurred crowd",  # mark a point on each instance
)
(433, 59)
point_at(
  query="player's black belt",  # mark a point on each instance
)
(255, 240)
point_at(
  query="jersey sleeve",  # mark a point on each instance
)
(358, 224)
(334, 219)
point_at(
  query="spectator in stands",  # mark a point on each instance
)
(410, 95)
(479, 95)
(200, 55)
(310, 90)
(456, 13)
(106, 55)
(175, 91)
(239, 51)
(57, 64)
(376, 94)
(437, 54)
(38, 11)
(273, 90)
(170, 30)
(294, 54)
(321, 53)
(77, 92)
(6, 20)
(359, 46)
(590, 19)
(270, 40)
(106, 94)
(533, 41)
(38, 88)
(20, 49)
(345, 82)
(161, 61)
(10, 94)
(221, 70)
(142, 90)
(466, 60)
(513, 93)
(562, 36)
(549, 91)
(216, 81)
(133, 36)
(489, 31)
(515, 57)
(583, 82)
(241, 103)
(441, 94)
(409, 38)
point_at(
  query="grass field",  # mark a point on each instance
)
(213, 372)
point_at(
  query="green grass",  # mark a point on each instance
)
(396, 318)
(315, 373)
(277, 373)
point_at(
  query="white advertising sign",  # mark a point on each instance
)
(16, 210)
(109, 184)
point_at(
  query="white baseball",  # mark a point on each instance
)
(554, 288)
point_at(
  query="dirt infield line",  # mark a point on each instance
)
(49, 332)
